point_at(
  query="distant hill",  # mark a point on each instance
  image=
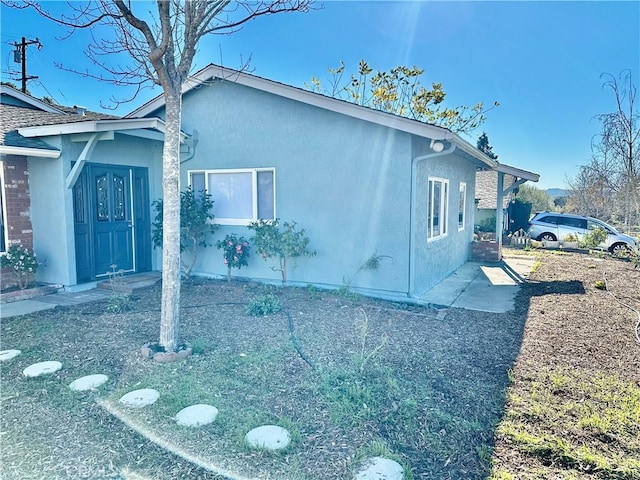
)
(557, 192)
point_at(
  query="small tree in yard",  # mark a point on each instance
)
(196, 224)
(272, 242)
(235, 252)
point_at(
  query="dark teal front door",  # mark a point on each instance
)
(111, 221)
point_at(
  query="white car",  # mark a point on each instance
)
(551, 226)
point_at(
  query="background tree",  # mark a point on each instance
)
(483, 146)
(608, 187)
(539, 199)
(400, 92)
(160, 39)
(619, 140)
(592, 191)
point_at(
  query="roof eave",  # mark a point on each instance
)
(517, 172)
(28, 99)
(29, 152)
(95, 126)
(378, 117)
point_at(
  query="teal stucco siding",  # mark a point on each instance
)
(346, 181)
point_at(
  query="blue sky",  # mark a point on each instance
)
(541, 60)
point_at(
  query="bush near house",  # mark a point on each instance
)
(196, 225)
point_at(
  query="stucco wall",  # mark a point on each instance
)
(52, 202)
(347, 182)
(434, 260)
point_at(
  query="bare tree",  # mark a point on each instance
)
(593, 191)
(619, 142)
(160, 39)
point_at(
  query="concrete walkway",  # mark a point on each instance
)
(483, 287)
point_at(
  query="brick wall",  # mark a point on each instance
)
(17, 206)
(485, 252)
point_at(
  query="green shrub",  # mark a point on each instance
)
(196, 224)
(594, 238)
(263, 305)
(282, 244)
(22, 262)
(235, 252)
(487, 225)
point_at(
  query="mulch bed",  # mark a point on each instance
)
(462, 357)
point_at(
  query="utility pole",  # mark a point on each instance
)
(20, 56)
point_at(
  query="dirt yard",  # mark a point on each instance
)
(349, 377)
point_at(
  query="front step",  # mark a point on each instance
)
(128, 284)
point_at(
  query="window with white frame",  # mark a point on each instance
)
(240, 196)
(462, 205)
(437, 208)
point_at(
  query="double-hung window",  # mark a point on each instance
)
(240, 196)
(437, 208)
(462, 205)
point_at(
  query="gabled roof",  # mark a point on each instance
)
(26, 100)
(23, 119)
(396, 122)
(13, 117)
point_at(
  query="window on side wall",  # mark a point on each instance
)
(437, 208)
(462, 205)
(240, 196)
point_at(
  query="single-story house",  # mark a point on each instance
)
(361, 182)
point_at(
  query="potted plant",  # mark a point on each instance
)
(570, 241)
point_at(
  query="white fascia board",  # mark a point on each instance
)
(91, 126)
(517, 172)
(28, 99)
(148, 134)
(97, 126)
(29, 152)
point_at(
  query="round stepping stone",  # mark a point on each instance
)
(90, 382)
(196, 415)
(8, 354)
(270, 437)
(380, 468)
(42, 368)
(140, 398)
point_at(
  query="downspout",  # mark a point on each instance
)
(412, 215)
(499, 213)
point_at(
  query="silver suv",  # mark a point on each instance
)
(557, 226)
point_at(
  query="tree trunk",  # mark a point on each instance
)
(170, 314)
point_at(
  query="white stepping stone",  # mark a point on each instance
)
(196, 415)
(380, 468)
(90, 382)
(42, 368)
(8, 354)
(271, 437)
(140, 398)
